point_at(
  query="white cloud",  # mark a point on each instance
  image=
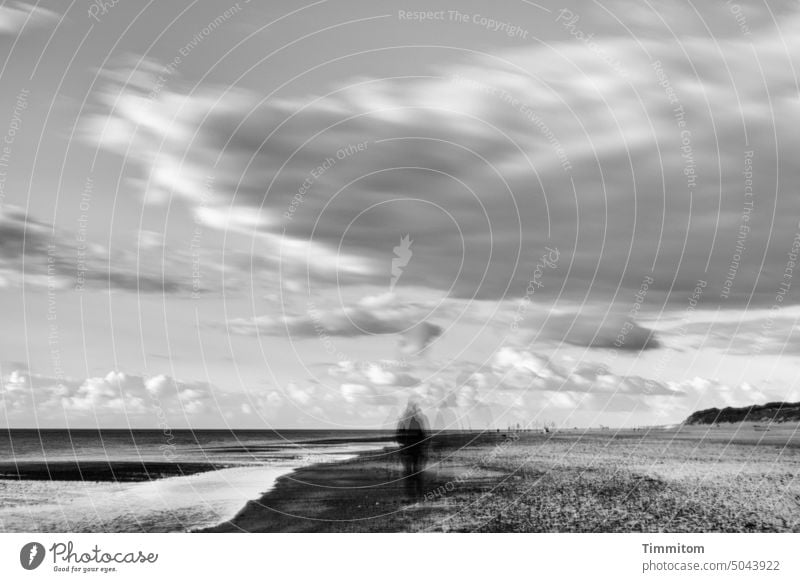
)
(118, 399)
(378, 374)
(18, 16)
(515, 386)
(518, 385)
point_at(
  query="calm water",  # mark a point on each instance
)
(216, 446)
(253, 460)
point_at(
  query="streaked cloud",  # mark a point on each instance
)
(38, 254)
(397, 195)
(752, 333)
(373, 315)
(589, 327)
(465, 164)
(17, 17)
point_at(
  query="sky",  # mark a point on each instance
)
(306, 215)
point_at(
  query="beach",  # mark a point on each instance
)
(735, 478)
(146, 481)
(728, 478)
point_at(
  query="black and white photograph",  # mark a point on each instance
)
(369, 267)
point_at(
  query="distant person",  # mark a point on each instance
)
(412, 436)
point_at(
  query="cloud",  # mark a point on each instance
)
(20, 233)
(753, 332)
(514, 386)
(522, 370)
(518, 385)
(119, 399)
(416, 340)
(587, 327)
(349, 405)
(387, 373)
(371, 315)
(484, 163)
(36, 253)
(18, 16)
(366, 396)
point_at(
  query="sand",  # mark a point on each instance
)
(693, 479)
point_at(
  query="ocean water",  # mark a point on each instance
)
(245, 464)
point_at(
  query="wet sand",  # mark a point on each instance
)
(690, 479)
(119, 471)
(369, 493)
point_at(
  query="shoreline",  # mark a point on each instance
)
(369, 492)
(598, 481)
(177, 503)
(730, 478)
(138, 497)
(66, 495)
(104, 471)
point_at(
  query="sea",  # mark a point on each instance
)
(234, 467)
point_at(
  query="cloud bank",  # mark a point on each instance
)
(118, 399)
(484, 163)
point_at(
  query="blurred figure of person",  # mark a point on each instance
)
(413, 432)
